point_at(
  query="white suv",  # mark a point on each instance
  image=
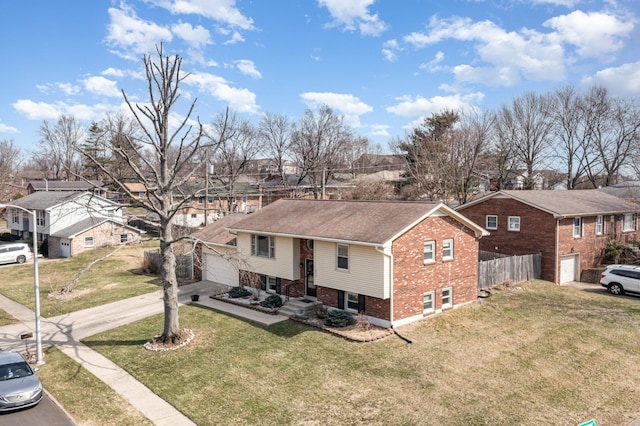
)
(619, 279)
(15, 252)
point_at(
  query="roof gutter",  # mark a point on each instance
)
(308, 237)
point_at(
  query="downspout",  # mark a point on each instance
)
(557, 252)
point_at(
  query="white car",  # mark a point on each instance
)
(621, 279)
(15, 253)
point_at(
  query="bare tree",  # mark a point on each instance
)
(237, 144)
(9, 163)
(526, 126)
(165, 165)
(122, 133)
(57, 142)
(614, 134)
(318, 144)
(275, 133)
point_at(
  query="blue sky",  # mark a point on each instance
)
(383, 64)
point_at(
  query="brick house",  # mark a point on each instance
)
(395, 262)
(569, 228)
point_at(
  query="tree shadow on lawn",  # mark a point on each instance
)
(98, 343)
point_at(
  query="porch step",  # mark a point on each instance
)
(297, 307)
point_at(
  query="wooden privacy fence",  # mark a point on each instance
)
(495, 269)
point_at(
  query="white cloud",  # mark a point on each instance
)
(348, 105)
(507, 55)
(623, 80)
(418, 106)
(390, 49)
(380, 130)
(247, 67)
(101, 86)
(196, 37)
(7, 129)
(595, 34)
(66, 88)
(132, 37)
(434, 64)
(354, 14)
(567, 3)
(223, 11)
(236, 37)
(240, 100)
(36, 110)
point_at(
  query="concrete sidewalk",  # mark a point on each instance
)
(66, 331)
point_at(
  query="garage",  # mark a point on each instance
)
(568, 268)
(219, 270)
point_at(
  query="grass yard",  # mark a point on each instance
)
(112, 279)
(84, 396)
(536, 354)
(6, 318)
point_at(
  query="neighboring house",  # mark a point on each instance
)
(91, 233)
(244, 198)
(216, 255)
(276, 188)
(94, 186)
(627, 190)
(61, 216)
(136, 192)
(569, 228)
(394, 262)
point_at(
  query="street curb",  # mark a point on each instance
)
(55, 401)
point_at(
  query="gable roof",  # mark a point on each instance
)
(217, 232)
(366, 222)
(87, 224)
(43, 200)
(565, 203)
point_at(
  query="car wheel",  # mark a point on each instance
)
(21, 259)
(615, 288)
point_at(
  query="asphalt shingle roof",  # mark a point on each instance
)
(44, 199)
(571, 203)
(217, 233)
(373, 222)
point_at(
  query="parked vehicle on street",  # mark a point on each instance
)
(15, 253)
(19, 386)
(621, 279)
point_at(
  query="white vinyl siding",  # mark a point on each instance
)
(368, 269)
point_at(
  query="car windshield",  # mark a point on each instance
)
(15, 371)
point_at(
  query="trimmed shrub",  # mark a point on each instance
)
(336, 318)
(274, 301)
(237, 292)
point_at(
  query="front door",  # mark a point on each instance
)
(310, 287)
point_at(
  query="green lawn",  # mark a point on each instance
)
(115, 278)
(6, 318)
(540, 354)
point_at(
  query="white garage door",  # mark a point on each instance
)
(568, 268)
(220, 270)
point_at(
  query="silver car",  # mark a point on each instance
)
(19, 386)
(621, 279)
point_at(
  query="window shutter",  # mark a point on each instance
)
(361, 303)
(278, 285)
(340, 299)
(263, 282)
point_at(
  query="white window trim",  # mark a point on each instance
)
(432, 250)
(346, 301)
(432, 294)
(86, 241)
(338, 256)
(269, 279)
(271, 241)
(576, 231)
(450, 297)
(600, 225)
(513, 229)
(444, 244)
(632, 220)
(486, 221)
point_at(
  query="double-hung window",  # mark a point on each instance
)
(629, 222)
(88, 241)
(577, 227)
(429, 252)
(447, 249)
(514, 223)
(491, 222)
(599, 225)
(447, 297)
(428, 300)
(263, 246)
(124, 238)
(15, 218)
(40, 217)
(342, 261)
